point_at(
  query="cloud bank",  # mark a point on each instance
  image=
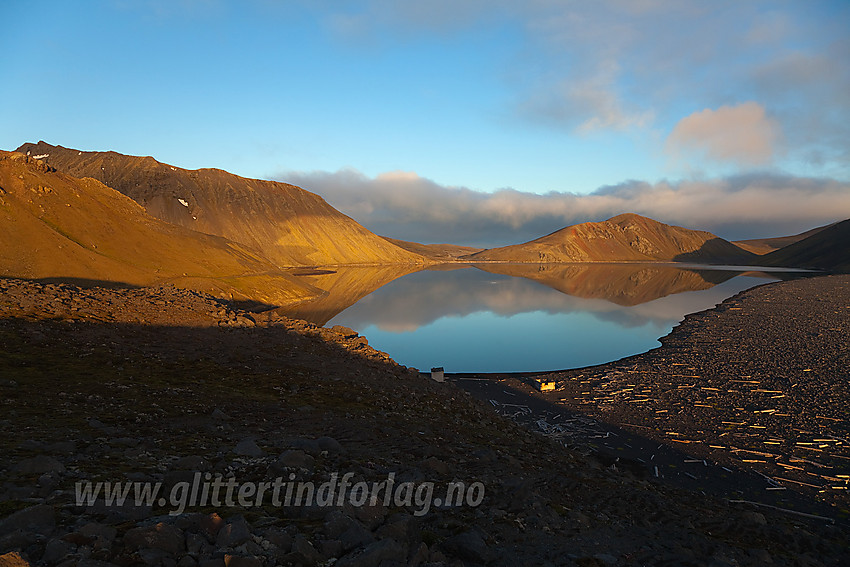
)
(742, 134)
(410, 207)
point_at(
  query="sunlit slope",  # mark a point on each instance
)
(53, 225)
(624, 238)
(282, 222)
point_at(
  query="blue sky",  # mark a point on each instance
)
(467, 120)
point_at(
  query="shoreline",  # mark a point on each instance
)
(699, 393)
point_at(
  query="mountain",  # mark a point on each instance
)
(282, 222)
(439, 252)
(827, 249)
(53, 225)
(623, 238)
(766, 245)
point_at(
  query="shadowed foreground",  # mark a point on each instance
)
(158, 384)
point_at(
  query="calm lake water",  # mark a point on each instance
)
(507, 318)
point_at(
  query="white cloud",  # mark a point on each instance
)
(407, 206)
(743, 134)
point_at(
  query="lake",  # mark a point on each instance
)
(519, 317)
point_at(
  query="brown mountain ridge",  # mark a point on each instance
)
(624, 238)
(284, 223)
(55, 226)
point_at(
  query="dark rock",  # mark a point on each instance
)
(468, 546)
(248, 448)
(436, 465)
(337, 523)
(308, 445)
(279, 537)
(127, 512)
(210, 525)
(235, 532)
(56, 550)
(329, 444)
(219, 415)
(302, 547)
(38, 519)
(384, 550)
(294, 459)
(160, 537)
(242, 561)
(39, 464)
(356, 536)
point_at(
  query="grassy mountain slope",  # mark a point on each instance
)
(58, 226)
(282, 222)
(624, 238)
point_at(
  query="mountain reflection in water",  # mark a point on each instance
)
(517, 317)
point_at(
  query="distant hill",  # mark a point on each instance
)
(282, 222)
(623, 238)
(767, 245)
(439, 252)
(827, 249)
(55, 226)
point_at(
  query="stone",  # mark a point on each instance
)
(39, 519)
(753, 517)
(436, 465)
(210, 525)
(329, 444)
(56, 550)
(385, 550)
(39, 464)
(162, 537)
(356, 536)
(242, 561)
(219, 415)
(308, 445)
(345, 332)
(248, 448)
(234, 533)
(13, 559)
(468, 546)
(295, 459)
(303, 548)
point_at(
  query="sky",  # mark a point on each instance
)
(467, 121)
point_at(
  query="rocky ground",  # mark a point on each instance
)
(159, 384)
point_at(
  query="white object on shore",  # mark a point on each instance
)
(438, 374)
(545, 384)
